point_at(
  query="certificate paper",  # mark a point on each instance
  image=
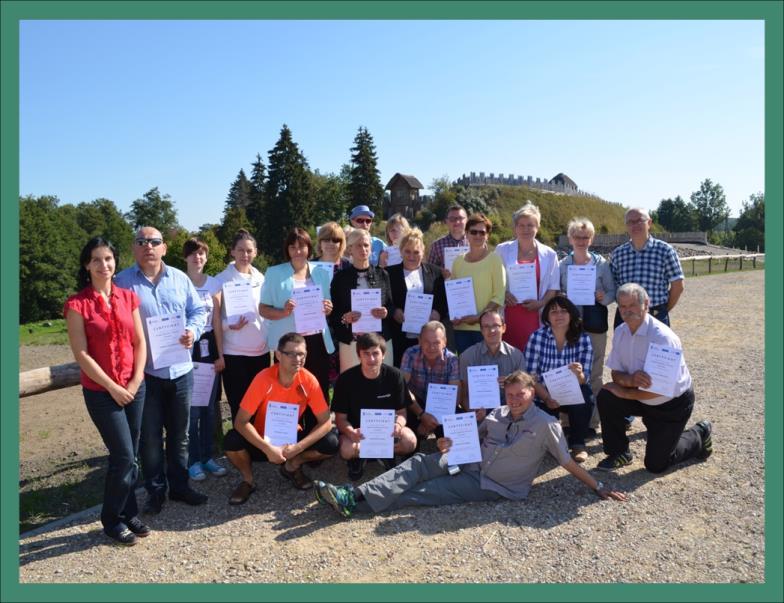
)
(581, 285)
(460, 297)
(563, 386)
(238, 299)
(663, 365)
(483, 390)
(418, 309)
(522, 281)
(363, 301)
(164, 333)
(441, 400)
(327, 267)
(463, 432)
(203, 381)
(280, 423)
(393, 255)
(309, 311)
(377, 425)
(450, 253)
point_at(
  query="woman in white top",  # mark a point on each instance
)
(242, 338)
(202, 424)
(523, 315)
(397, 227)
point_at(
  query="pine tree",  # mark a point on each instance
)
(288, 198)
(365, 184)
(255, 210)
(155, 210)
(240, 193)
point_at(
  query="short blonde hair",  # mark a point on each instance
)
(577, 224)
(413, 236)
(530, 210)
(332, 230)
(355, 235)
(394, 220)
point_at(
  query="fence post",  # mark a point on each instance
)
(693, 264)
(741, 263)
(726, 263)
(709, 264)
(754, 262)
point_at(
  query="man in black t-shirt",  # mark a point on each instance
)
(371, 385)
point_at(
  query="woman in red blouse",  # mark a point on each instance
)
(107, 340)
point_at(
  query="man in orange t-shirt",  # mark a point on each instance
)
(290, 383)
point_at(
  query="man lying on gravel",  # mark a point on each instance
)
(664, 416)
(513, 438)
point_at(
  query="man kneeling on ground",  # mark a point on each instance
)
(514, 439)
(289, 382)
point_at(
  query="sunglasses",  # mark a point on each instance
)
(363, 220)
(145, 242)
(335, 241)
(477, 233)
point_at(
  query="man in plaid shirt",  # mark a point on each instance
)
(649, 262)
(428, 362)
(456, 218)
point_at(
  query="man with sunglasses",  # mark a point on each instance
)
(362, 217)
(165, 291)
(286, 381)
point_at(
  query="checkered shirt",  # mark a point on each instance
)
(436, 255)
(542, 355)
(654, 267)
(413, 363)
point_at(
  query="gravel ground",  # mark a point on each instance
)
(703, 522)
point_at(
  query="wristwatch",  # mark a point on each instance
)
(599, 486)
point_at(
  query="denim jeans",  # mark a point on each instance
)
(119, 427)
(202, 428)
(579, 416)
(166, 406)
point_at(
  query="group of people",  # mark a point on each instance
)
(141, 403)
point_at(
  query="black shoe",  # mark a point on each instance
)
(136, 526)
(122, 536)
(615, 462)
(189, 497)
(705, 428)
(153, 505)
(356, 467)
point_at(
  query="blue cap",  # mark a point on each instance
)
(361, 210)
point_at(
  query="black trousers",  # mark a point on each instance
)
(667, 442)
(237, 375)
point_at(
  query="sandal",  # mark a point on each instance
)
(242, 493)
(298, 478)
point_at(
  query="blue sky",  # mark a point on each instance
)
(633, 111)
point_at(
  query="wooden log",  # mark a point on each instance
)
(48, 378)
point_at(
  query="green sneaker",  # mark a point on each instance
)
(615, 462)
(340, 498)
(705, 428)
(317, 486)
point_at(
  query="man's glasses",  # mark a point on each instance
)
(294, 355)
(492, 327)
(477, 233)
(636, 222)
(363, 220)
(144, 242)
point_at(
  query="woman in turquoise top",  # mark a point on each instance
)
(277, 303)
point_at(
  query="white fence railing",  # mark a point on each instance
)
(752, 257)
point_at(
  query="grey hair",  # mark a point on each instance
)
(633, 290)
(529, 209)
(640, 210)
(433, 325)
(576, 224)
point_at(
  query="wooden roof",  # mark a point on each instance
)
(410, 180)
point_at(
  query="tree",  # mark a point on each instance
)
(330, 193)
(102, 218)
(365, 184)
(288, 197)
(675, 215)
(50, 241)
(155, 210)
(710, 205)
(233, 220)
(750, 227)
(258, 178)
(239, 193)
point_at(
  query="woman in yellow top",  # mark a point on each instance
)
(489, 280)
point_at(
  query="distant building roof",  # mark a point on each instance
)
(410, 180)
(562, 178)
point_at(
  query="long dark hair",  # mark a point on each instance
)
(575, 322)
(83, 277)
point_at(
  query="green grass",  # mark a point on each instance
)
(717, 266)
(45, 332)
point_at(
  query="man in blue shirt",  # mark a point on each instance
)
(362, 217)
(165, 291)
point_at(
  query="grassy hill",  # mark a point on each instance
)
(556, 211)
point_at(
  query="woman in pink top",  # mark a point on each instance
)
(107, 340)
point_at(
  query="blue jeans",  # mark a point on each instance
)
(167, 405)
(119, 427)
(579, 416)
(465, 339)
(202, 427)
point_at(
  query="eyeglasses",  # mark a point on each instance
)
(294, 355)
(456, 219)
(477, 233)
(636, 222)
(144, 242)
(492, 327)
(363, 220)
